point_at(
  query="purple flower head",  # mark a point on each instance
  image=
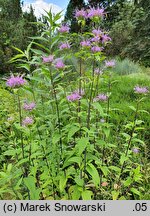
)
(74, 96)
(81, 14)
(27, 121)
(48, 59)
(97, 32)
(64, 29)
(100, 97)
(64, 46)
(110, 63)
(95, 39)
(105, 38)
(140, 90)
(29, 106)
(14, 82)
(98, 71)
(95, 12)
(85, 43)
(135, 150)
(59, 64)
(96, 49)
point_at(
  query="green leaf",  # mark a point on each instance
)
(62, 183)
(128, 182)
(72, 131)
(10, 152)
(123, 158)
(135, 191)
(76, 193)
(94, 173)
(82, 144)
(72, 160)
(132, 108)
(30, 184)
(115, 194)
(107, 132)
(105, 170)
(79, 182)
(98, 107)
(86, 195)
(114, 168)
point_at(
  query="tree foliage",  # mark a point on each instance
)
(15, 28)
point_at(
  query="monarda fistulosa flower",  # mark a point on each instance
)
(140, 90)
(64, 29)
(59, 64)
(80, 14)
(27, 121)
(75, 96)
(15, 81)
(96, 49)
(85, 43)
(135, 150)
(98, 71)
(110, 64)
(64, 46)
(29, 106)
(95, 13)
(100, 97)
(48, 59)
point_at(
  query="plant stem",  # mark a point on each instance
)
(57, 110)
(79, 102)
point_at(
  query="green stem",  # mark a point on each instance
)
(57, 110)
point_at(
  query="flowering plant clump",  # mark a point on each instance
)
(75, 132)
(15, 81)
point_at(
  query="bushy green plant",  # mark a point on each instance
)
(126, 66)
